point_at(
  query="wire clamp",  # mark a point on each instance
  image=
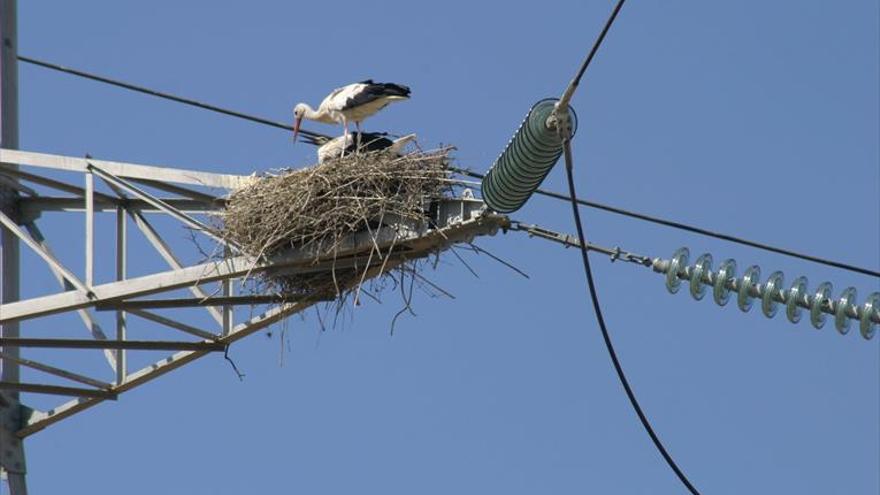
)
(560, 121)
(616, 254)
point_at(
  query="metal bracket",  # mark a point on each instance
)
(560, 120)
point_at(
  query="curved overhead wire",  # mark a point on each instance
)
(607, 337)
(591, 285)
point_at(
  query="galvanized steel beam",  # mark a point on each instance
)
(38, 388)
(139, 345)
(10, 157)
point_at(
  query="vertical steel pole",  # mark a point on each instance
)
(121, 262)
(11, 449)
(227, 310)
(90, 229)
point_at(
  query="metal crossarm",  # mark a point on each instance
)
(55, 371)
(172, 323)
(143, 345)
(182, 191)
(195, 302)
(9, 158)
(38, 388)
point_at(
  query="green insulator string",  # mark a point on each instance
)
(526, 160)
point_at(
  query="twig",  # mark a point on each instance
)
(320, 320)
(463, 262)
(432, 284)
(374, 248)
(478, 249)
(405, 301)
(234, 367)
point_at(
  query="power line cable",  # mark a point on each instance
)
(544, 192)
(572, 86)
(167, 96)
(691, 228)
(565, 131)
(597, 43)
(605, 335)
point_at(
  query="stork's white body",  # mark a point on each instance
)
(339, 106)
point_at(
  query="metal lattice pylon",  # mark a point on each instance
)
(130, 200)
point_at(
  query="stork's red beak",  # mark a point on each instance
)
(296, 128)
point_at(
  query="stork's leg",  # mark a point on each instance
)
(344, 137)
(357, 145)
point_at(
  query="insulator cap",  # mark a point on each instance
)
(818, 302)
(847, 300)
(792, 297)
(721, 289)
(772, 286)
(870, 311)
(699, 275)
(747, 282)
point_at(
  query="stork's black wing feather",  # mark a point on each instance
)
(373, 91)
(370, 141)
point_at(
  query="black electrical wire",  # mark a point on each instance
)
(591, 285)
(691, 228)
(551, 194)
(167, 96)
(601, 320)
(597, 43)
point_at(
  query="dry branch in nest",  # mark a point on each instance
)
(318, 208)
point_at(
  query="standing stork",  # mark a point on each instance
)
(351, 103)
(330, 148)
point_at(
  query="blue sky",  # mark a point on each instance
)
(754, 118)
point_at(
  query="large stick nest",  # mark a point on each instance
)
(318, 207)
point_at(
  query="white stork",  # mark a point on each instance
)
(352, 103)
(369, 141)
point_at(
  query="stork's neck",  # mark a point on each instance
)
(310, 112)
(320, 115)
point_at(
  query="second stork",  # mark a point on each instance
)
(332, 148)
